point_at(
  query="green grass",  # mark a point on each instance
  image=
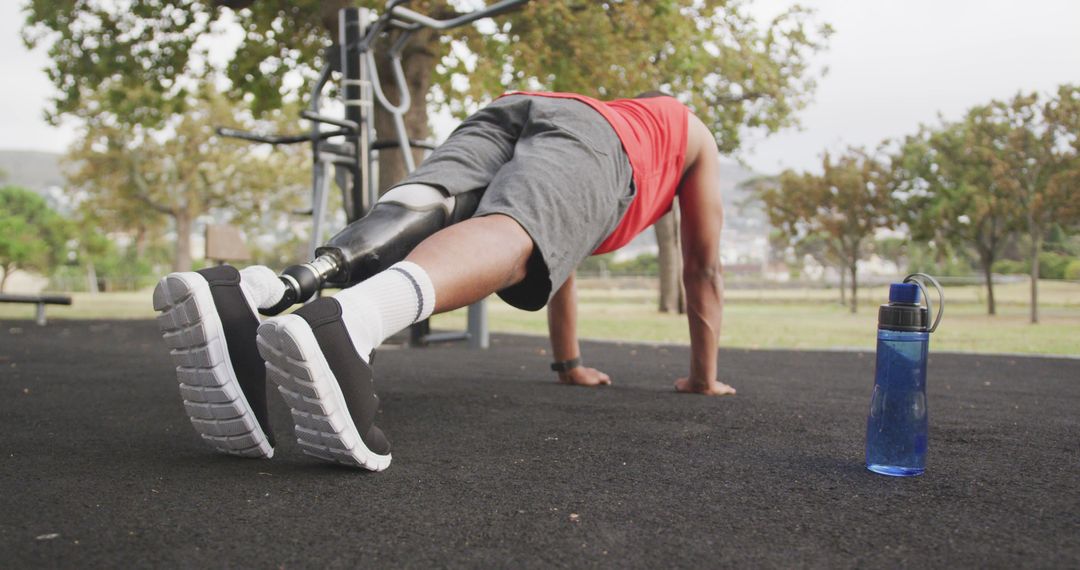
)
(808, 319)
(800, 319)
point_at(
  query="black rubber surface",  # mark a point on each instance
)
(495, 465)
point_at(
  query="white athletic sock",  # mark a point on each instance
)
(386, 303)
(261, 286)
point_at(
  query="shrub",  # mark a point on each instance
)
(1072, 270)
(32, 235)
(1011, 267)
(644, 264)
(1052, 265)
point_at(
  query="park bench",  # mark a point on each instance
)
(39, 300)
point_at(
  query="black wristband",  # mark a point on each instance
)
(566, 365)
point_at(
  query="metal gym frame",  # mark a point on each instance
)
(348, 152)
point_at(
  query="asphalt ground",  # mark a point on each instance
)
(495, 465)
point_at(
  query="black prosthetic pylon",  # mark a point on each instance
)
(387, 234)
(369, 245)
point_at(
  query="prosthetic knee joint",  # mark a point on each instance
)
(399, 221)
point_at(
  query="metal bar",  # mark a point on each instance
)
(419, 332)
(366, 190)
(315, 132)
(261, 138)
(279, 139)
(478, 325)
(385, 143)
(406, 148)
(47, 299)
(318, 203)
(429, 22)
(397, 111)
(351, 32)
(434, 338)
(344, 124)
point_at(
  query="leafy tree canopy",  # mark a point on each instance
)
(844, 206)
(135, 178)
(143, 56)
(32, 235)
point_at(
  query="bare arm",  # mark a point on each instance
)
(562, 322)
(702, 219)
(562, 327)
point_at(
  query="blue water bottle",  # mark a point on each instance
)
(896, 427)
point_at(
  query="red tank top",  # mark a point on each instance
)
(653, 134)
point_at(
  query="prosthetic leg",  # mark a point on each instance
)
(399, 221)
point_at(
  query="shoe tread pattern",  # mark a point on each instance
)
(212, 396)
(324, 428)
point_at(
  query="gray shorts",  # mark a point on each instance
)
(554, 165)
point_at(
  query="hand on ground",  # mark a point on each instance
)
(584, 376)
(713, 388)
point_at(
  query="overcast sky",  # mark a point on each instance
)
(893, 64)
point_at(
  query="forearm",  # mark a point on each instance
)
(704, 313)
(562, 322)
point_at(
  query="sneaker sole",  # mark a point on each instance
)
(212, 395)
(324, 427)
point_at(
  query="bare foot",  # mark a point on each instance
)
(583, 376)
(713, 388)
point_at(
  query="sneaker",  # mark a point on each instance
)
(210, 330)
(330, 389)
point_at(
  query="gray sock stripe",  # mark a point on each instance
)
(419, 293)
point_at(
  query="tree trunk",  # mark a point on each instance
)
(328, 13)
(182, 255)
(418, 62)
(669, 257)
(7, 273)
(843, 285)
(1036, 249)
(142, 241)
(991, 306)
(854, 288)
(91, 278)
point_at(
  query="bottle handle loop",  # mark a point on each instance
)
(917, 279)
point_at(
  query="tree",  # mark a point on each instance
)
(1032, 149)
(947, 196)
(141, 57)
(846, 205)
(32, 235)
(136, 177)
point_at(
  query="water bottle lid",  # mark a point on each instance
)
(905, 293)
(903, 313)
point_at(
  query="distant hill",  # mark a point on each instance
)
(31, 169)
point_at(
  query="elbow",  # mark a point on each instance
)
(709, 272)
(702, 264)
(704, 285)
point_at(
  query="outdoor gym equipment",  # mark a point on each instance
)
(380, 231)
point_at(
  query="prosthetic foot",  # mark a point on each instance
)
(399, 221)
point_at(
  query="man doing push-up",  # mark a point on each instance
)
(559, 177)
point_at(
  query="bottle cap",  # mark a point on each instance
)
(906, 293)
(903, 313)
